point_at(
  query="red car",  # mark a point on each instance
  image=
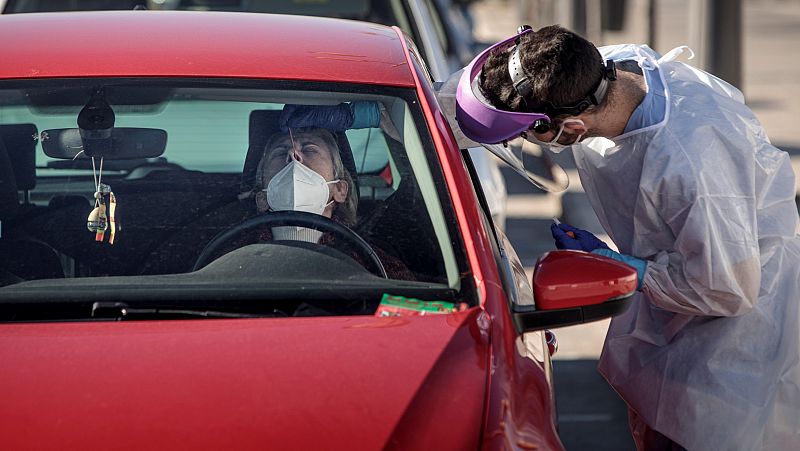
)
(153, 294)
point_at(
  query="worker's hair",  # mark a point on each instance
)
(345, 212)
(563, 68)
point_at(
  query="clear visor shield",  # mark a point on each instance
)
(533, 163)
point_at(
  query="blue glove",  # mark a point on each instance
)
(638, 264)
(583, 240)
(341, 117)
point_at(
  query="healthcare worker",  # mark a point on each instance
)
(686, 183)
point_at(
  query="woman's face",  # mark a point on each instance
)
(308, 148)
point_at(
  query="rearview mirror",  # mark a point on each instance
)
(125, 143)
(573, 287)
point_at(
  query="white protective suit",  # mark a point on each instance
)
(708, 354)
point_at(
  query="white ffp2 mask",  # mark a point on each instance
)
(297, 187)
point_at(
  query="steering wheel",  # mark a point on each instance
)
(299, 219)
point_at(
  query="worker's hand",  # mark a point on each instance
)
(568, 237)
(637, 263)
(341, 117)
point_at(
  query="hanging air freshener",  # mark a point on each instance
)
(112, 206)
(97, 221)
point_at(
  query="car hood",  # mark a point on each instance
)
(300, 383)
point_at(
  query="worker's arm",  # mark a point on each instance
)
(713, 265)
(341, 117)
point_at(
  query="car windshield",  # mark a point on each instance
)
(141, 190)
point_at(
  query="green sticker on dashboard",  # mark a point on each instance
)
(392, 305)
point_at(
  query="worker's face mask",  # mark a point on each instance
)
(297, 187)
(554, 145)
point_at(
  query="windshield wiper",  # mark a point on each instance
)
(121, 310)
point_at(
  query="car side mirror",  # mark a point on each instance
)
(573, 287)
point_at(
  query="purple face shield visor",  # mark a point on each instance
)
(500, 131)
(478, 120)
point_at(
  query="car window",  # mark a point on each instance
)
(184, 166)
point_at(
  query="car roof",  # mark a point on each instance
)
(205, 44)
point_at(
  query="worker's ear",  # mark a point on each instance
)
(575, 126)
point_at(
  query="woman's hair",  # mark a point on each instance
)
(563, 68)
(344, 212)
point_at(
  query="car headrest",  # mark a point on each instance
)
(263, 124)
(20, 144)
(9, 196)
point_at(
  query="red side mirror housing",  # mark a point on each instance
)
(572, 287)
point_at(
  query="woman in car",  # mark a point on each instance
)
(302, 170)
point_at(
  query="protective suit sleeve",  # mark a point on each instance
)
(713, 267)
(387, 125)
